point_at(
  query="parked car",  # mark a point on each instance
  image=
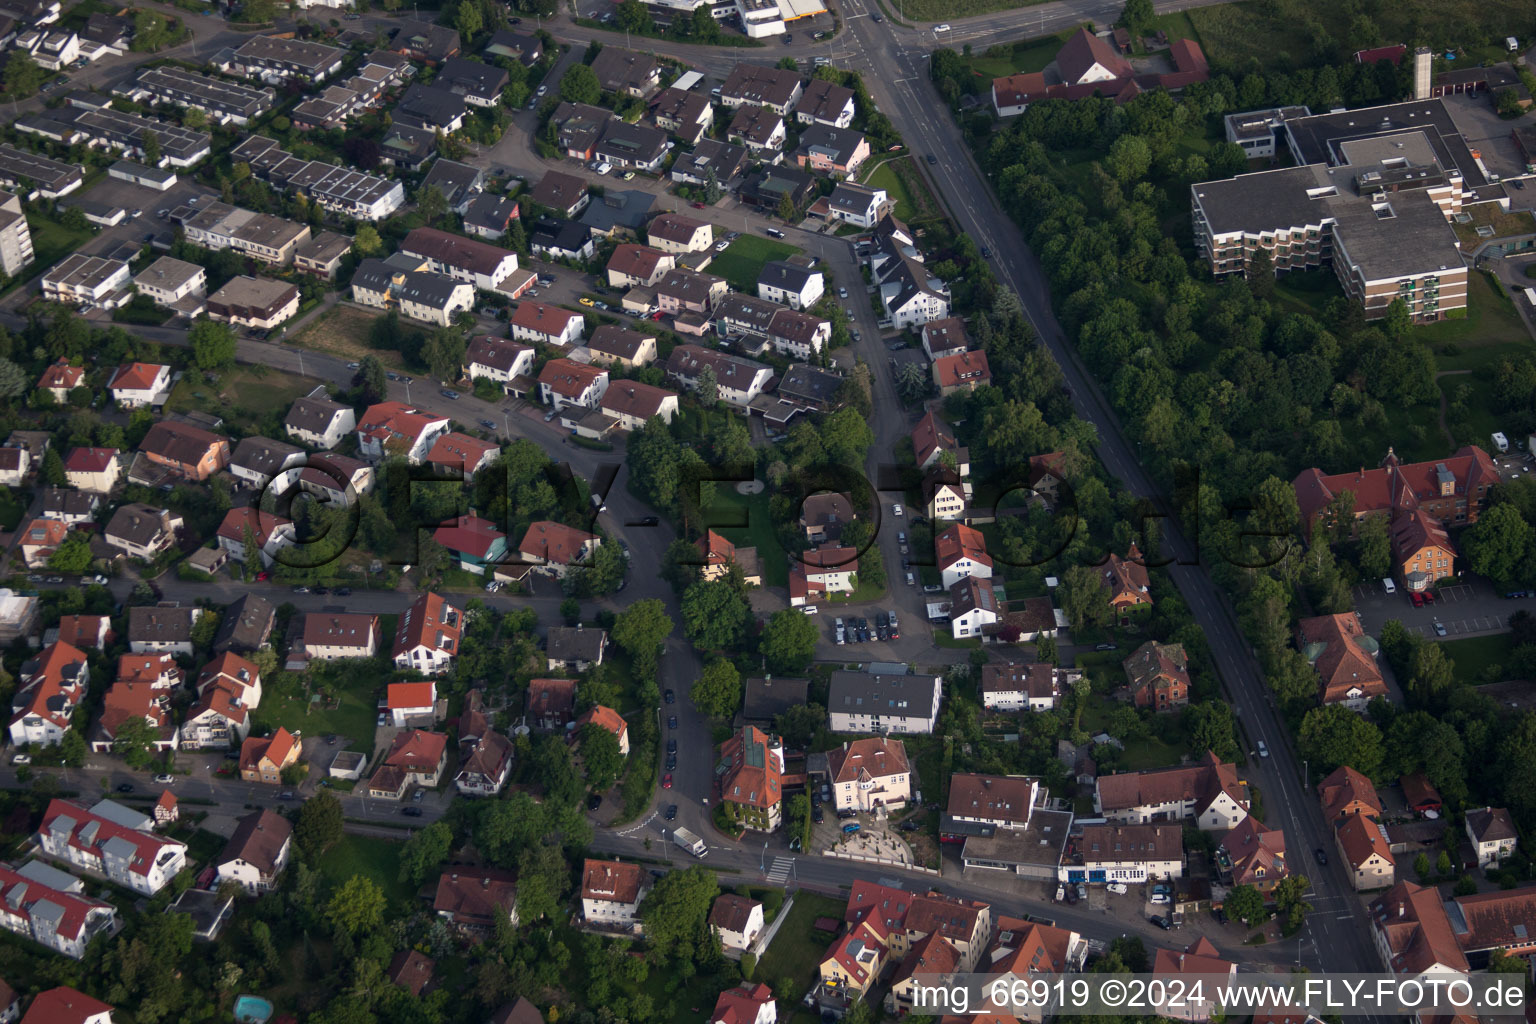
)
(671, 814)
(698, 205)
(1106, 647)
(666, 781)
(896, 510)
(488, 424)
(126, 787)
(22, 759)
(411, 812)
(1320, 855)
(449, 393)
(1061, 892)
(165, 779)
(671, 697)
(818, 815)
(850, 828)
(1118, 888)
(672, 746)
(1439, 629)
(809, 609)
(1161, 922)
(1417, 598)
(671, 721)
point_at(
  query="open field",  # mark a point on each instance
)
(1023, 57)
(797, 949)
(52, 241)
(884, 176)
(743, 260)
(1474, 656)
(344, 331)
(378, 859)
(243, 393)
(939, 10)
(757, 531)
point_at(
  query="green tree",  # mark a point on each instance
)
(13, 379)
(251, 561)
(468, 20)
(717, 691)
(1375, 547)
(72, 749)
(579, 84)
(787, 209)
(430, 203)
(1289, 896)
(372, 378)
(1421, 866)
(1083, 598)
(675, 912)
(798, 725)
(358, 906)
(22, 75)
(1137, 16)
(1433, 673)
(634, 17)
(367, 242)
(135, 742)
(707, 389)
(846, 437)
(1246, 904)
(73, 555)
(319, 824)
(1211, 726)
(444, 351)
(1497, 544)
(424, 851)
(213, 345)
(714, 615)
(1130, 157)
(788, 641)
(712, 189)
(53, 468)
(600, 757)
(1333, 735)
(640, 630)
(151, 146)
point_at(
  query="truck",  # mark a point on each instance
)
(690, 842)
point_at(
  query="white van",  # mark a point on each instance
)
(1500, 441)
(1388, 585)
(1512, 43)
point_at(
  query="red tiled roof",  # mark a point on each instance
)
(1412, 921)
(1345, 788)
(411, 695)
(1342, 664)
(274, 748)
(469, 535)
(89, 460)
(1396, 485)
(555, 543)
(417, 750)
(549, 696)
(547, 320)
(740, 1005)
(881, 902)
(64, 1005)
(135, 376)
(475, 897)
(1199, 958)
(429, 622)
(85, 630)
(1360, 837)
(1498, 919)
(148, 668)
(605, 718)
(340, 629)
(90, 832)
(1082, 51)
(411, 969)
(394, 419)
(458, 450)
(1201, 782)
(959, 541)
(1257, 852)
(962, 368)
(261, 524)
(753, 775)
(612, 881)
(51, 685)
(992, 797)
(1127, 578)
(568, 378)
(874, 758)
(732, 912)
(61, 375)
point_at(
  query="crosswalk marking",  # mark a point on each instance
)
(780, 870)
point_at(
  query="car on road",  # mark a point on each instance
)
(488, 424)
(551, 415)
(671, 762)
(594, 801)
(876, 18)
(450, 394)
(666, 781)
(542, 90)
(585, 301)
(1071, 894)
(842, 293)
(671, 721)
(932, 588)
(1160, 921)
(932, 159)
(417, 797)
(411, 812)
(698, 205)
(165, 779)
(1165, 890)
(22, 759)
(788, 38)
(55, 579)
(911, 580)
(1439, 629)
(986, 253)
(126, 787)
(672, 746)
(773, 232)
(896, 510)
(850, 828)
(1428, 596)
(343, 591)
(648, 521)
(627, 176)
(1106, 647)
(826, 792)
(321, 590)
(301, 590)
(891, 621)
(671, 814)
(354, 366)
(285, 796)
(1263, 749)
(1320, 855)
(809, 609)
(671, 697)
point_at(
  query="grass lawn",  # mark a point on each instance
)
(884, 176)
(1019, 58)
(797, 949)
(378, 859)
(747, 524)
(1504, 225)
(1475, 655)
(1150, 752)
(743, 260)
(1491, 330)
(52, 241)
(344, 331)
(246, 393)
(356, 689)
(938, 10)
(1307, 292)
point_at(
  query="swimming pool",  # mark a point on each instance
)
(252, 1010)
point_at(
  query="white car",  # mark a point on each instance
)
(1159, 898)
(1263, 750)
(165, 779)
(22, 759)
(809, 609)
(1118, 888)
(896, 511)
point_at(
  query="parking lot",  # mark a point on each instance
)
(1462, 609)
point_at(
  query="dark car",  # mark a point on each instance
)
(818, 815)
(826, 792)
(1106, 647)
(671, 721)
(932, 159)
(671, 814)
(671, 697)
(411, 812)
(449, 393)
(910, 826)
(126, 787)
(1320, 855)
(343, 591)
(594, 801)
(671, 746)
(671, 762)
(648, 521)
(488, 424)
(880, 620)
(1160, 921)
(320, 590)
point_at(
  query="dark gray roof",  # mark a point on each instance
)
(262, 454)
(567, 643)
(726, 159)
(863, 693)
(489, 211)
(1316, 139)
(765, 698)
(629, 208)
(789, 276)
(246, 625)
(170, 623)
(618, 69)
(136, 524)
(809, 384)
(560, 235)
(428, 106)
(453, 179)
(313, 414)
(472, 77)
(839, 141)
(637, 143)
(420, 286)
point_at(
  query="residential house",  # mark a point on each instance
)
(140, 385)
(1421, 550)
(416, 757)
(548, 325)
(828, 569)
(965, 371)
(71, 507)
(752, 778)
(426, 641)
(878, 702)
(322, 254)
(329, 636)
(767, 188)
(607, 719)
(51, 686)
(86, 631)
(736, 921)
(932, 442)
(92, 469)
(626, 71)
(563, 193)
(97, 840)
(675, 233)
(185, 450)
(1158, 676)
(1344, 657)
(1207, 793)
(628, 405)
(633, 266)
(164, 628)
(682, 290)
(1492, 833)
(1489, 921)
(825, 103)
(426, 42)
(836, 151)
(140, 531)
(479, 83)
(561, 240)
(1021, 686)
(50, 907)
(1422, 798)
(464, 259)
(40, 539)
(565, 382)
(636, 146)
(498, 359)
(611, 893)
(459, 456)
(270, 533)
(490, 216)
(1362, 843)
(523, 47)
(961, 552)
(684, 115)
(1452, 491)
(1127, 583)
(1131, 854)
(60, 378)
(228, 690)
(88, 282)
(257, 853)
(872, 776)
(944, 337)
(147, 701)
(556, 548)
(485, 755)
(475, 900)
(718, 555)
(574, 648)
(974, 607)
(1345, 792)
(790, 284)
(1255, 855)
(763, 85)
(710, 158)
(856, 204)
(431, 108)
(551, 704)
(263, 758)
(336, 480)
(1199, 960)
(947, 496)
(1413, 934)
(760, 131)
(257, 460)
(824, 514)
(613, 345)
(411, 970)
(395, 428)
(402, 282)
(319, 422)
(738, 381)
(254, 302)
(15, 235)
(475, 542)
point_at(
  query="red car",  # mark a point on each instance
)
(656, 315)
(1417, 598)
(262, 577)
(1429, 597)
(666, 781)
(698, 206)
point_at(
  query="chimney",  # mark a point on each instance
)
(1421, 76)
